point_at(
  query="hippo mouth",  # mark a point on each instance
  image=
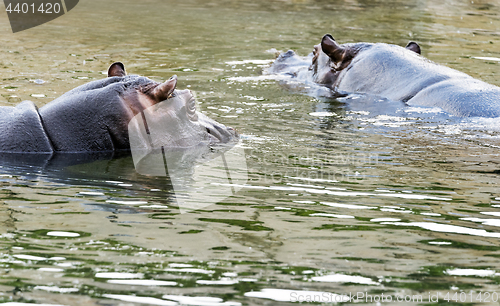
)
(221, 134)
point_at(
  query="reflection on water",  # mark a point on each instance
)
(343, 195)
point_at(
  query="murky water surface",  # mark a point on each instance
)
(344, 196)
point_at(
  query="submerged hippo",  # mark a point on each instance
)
(94, 118)
(394, 73)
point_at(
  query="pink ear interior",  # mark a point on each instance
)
(165, 89)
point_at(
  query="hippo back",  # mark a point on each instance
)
(22, 130)
(92, 117)
(392, 72)
(398, 74)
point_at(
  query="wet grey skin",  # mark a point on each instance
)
(394, 73)
(94, 117)
(402, 74)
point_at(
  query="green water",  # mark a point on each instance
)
(394, 202)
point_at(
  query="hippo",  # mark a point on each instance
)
(394, 73)
(94, 117)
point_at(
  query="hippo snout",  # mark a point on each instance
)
(218, 132)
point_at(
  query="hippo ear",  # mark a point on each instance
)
(413, 46)
(332, 49)
(165, 89)
(116, 69)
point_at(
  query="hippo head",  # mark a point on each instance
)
(330, 58)
(166, 117)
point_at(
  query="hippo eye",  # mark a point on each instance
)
(171, 95)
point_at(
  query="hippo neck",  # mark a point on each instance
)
(352, 53)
